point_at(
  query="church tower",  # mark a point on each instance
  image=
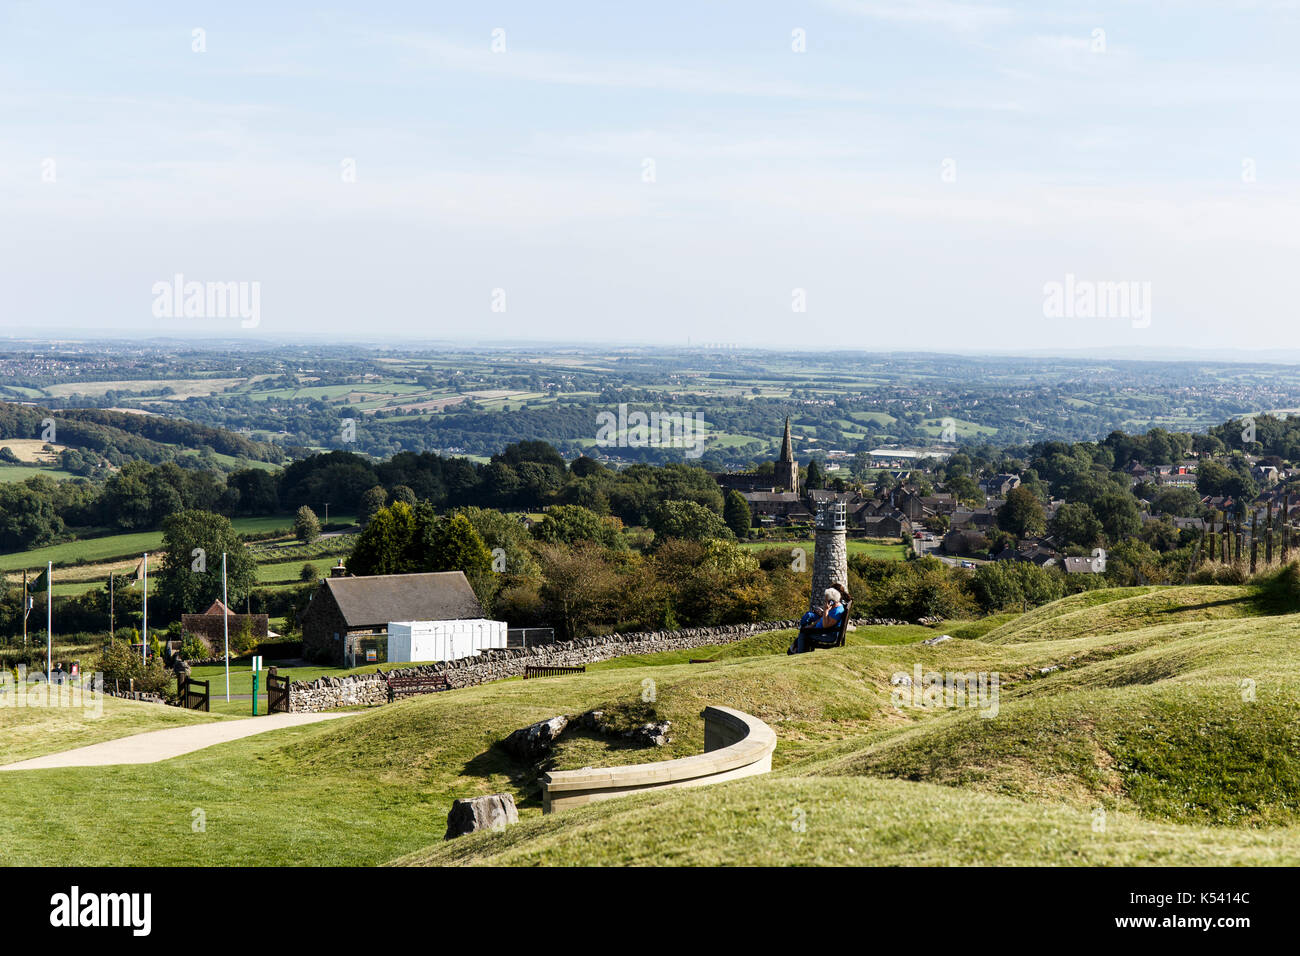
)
(787, 469)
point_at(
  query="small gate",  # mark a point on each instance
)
(191, 697)
(277, 693)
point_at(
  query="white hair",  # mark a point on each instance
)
(832, 595)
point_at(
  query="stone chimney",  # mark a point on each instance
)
(339, 571)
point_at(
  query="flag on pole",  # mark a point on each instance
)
(41, 583)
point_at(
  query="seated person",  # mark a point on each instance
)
(825, 617)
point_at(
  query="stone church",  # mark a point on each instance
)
(773, 499)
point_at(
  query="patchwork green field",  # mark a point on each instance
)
(112, 546)
(13, 473)
(1132, 726)
(882, 549)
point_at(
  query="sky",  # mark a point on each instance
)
(926, 175)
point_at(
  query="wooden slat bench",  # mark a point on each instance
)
(551, 670)
(412, 686)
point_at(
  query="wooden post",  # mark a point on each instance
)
(1254, 540)
(1286, 527)
(1268, 543)
(1191, 565)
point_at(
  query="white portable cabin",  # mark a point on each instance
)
(442, 640)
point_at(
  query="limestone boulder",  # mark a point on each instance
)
(536, 740)
(470, 814)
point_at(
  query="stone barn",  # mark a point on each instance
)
(346, 615)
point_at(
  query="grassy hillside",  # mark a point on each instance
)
(847, 822)
(1171, 714)
(1111, 610)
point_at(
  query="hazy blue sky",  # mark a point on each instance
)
(921, 171)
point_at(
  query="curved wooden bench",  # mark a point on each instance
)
(735, 745)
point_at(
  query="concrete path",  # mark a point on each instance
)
(156, 745)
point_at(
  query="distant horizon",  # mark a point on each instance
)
(1235, 356)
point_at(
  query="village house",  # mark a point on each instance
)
(999, 485)
(892, 525)
(1264, 474)
(969, 542)
(211, 626)
(976, 519)
(1036, 552)
(1095, 564)
(777, 507)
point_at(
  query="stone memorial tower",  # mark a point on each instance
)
(830, 549)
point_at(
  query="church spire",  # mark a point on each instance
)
(787, 469)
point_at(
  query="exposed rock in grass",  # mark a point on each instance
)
(650, 734)
(536, 740)
(493, 812)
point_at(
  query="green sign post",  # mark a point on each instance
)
(257, 673)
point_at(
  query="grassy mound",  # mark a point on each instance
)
(1188, 723)
(1112, 610)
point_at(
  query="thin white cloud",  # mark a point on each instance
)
(953, 15)
(537, 66)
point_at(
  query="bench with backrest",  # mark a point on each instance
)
(826, 637)
(410, 686)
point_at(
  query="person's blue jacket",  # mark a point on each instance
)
(813, 619)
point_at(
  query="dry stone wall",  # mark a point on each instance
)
(328, 692)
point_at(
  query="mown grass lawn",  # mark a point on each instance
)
(34, 731)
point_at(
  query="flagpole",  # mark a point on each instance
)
(225, 622)
(49, 619)
(144, 634)
(26, 610)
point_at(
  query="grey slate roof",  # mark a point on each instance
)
(378, 599)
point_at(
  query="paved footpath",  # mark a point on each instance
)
(156, 745)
